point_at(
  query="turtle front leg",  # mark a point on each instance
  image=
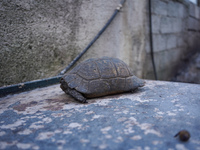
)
(78, 96)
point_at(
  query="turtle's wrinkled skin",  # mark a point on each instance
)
(99, 77)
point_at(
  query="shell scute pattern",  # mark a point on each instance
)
(99, 77)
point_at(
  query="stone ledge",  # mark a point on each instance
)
(46, 118)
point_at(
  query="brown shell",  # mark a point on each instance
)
(101, 76)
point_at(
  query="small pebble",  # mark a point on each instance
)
(183, 135)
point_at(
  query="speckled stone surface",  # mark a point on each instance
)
(147, 119)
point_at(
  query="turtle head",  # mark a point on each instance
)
(138, 82)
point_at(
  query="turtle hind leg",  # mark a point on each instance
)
(78, 96)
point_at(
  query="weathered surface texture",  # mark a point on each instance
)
(147, 119)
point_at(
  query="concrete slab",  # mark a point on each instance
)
(46, 118)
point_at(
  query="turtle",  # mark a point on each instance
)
(98, 77)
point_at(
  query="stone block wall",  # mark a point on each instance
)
(193, 25)
(175, 26)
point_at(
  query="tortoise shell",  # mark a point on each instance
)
(99, 77)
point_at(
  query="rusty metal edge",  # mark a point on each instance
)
(30, 85)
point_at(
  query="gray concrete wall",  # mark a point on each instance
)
(176, 26)
(39, 38)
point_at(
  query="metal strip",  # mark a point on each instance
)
(12, 89)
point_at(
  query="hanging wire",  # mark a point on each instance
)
(151, 42)
(95, 38)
